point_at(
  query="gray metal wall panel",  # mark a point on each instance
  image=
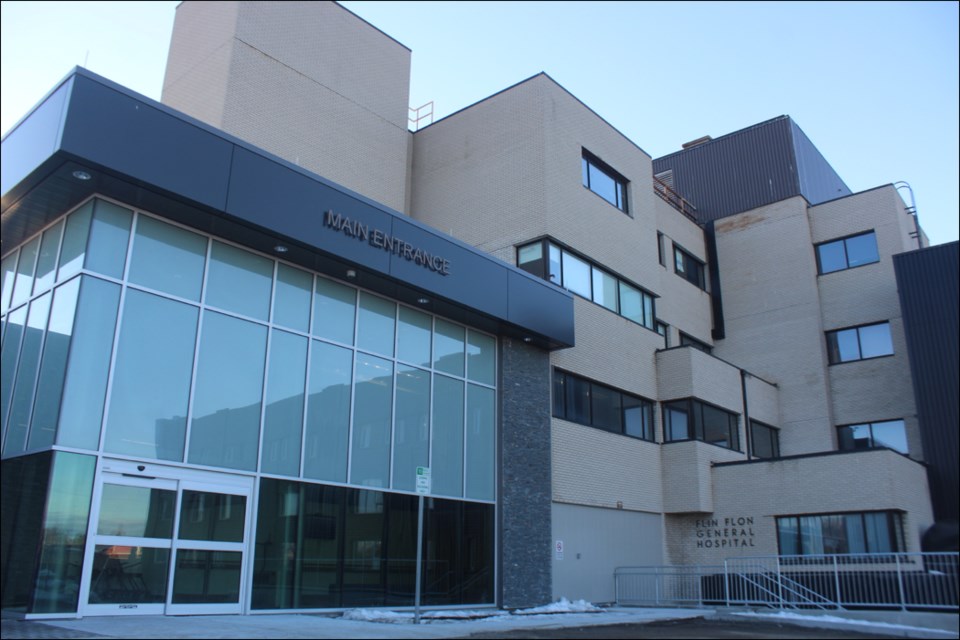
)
(928, 283)
(818, 180)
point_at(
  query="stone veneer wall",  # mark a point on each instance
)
(524, 515)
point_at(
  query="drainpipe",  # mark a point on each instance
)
(746, 411)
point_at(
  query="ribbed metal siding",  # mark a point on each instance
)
(818, 181)
(929, 283)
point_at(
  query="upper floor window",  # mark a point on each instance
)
(847, 253)
(604, 181)
(579, 400)
(689, 267)
(867, 532)
(764, 440)
(695, 420)
(546, 260)
(859, 343)
(891, 434)
(689, 341)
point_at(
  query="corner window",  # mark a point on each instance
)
(695, 420)
(866, 532)
(859, 343)
(588, 280)
(688, 267)
(764, 440)
(604, 181)
(847, 253)
(890, 434)
(689, 341)
(595, 405)
(664, 330)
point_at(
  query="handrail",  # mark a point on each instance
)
(674, 199)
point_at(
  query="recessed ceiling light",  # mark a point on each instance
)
(423, 300)
(528, 339)
(81, 175)
(280, 249)
(351, 273)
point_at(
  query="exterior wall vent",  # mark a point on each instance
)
(696, 142)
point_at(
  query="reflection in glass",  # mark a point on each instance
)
(8, 273)
(109, 237)
(413, 339)
(22, 402)
(605, 290)
(370, 451)
(23, 281)
(890, 434)
(73, 248)
(283, 418)
(631, 303)
(151, 380)
(448, 347)
(16, 322)
(136, 512)
(364, 551)
(375, 326)
(481, 358)
(481, 442)
(334, 308)
(411, 426)
(24, 481)
(225, 428)
(212, 517)
(328, 412)
(206, 577)
(291, 303)
(124, 575)
(875, 340)
(47, 260)
(832, 257)
(85, 385)
(576, 275)
(167, 258)
(447, 439)
(239, 281)
(862, 249)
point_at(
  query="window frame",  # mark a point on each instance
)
(686, 340)
(693, 409)
(689, 267)
(846, 253)
(894, 529)
(872, 441)
(774, 440)
(588, 161)
(834, 355)
(563, 382)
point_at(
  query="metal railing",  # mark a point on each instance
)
(907, 581)
(674, 199)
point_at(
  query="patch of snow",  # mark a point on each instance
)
(786, 615)
(377, 615)
(561, 606)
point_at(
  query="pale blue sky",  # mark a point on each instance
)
(874, 85)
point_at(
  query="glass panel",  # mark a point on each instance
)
(109, 237)
(442, 525)
(762, 438)
(413, 339)
(637, 418)
(476, 550)
(214, 517)
(606, 408)
(136, 512)
(576, 275)
(585, 172)
(333, 311)
(65, 533)
(363, 549)
(23, 283)
(47, 260)
(8, 269)
(22, 402)
(446, 463)
(559, 394)
(74, 246)
(578, 400)
(151, 380)
(370, 450)
(875, 341)
(401, 549)
(53, 367)
(811, 536)
(448, 347)
(283, 419)
(834, 534)
(328, 412)
(239, 281)
(411, 426)
(631, 303)
(603, 185)
(124, 575)
(225, 428)
(677, 425)
(717, 429)
(788, 535)
(375, 326)
(832, 257)
(481, 442)
(854, 436)
(862, 250)
(16, 322)
(85, 385)
(530, 258)
(844, 346)
(206, 577)
(481, 358)
(168, 258)
(890, 434)
(24, 482)
(605, 290)
(853, 530)
(878, 533)
(291, 304)
(554, 265)
(648, 312)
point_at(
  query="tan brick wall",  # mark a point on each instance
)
(687, 480)
(763, 401)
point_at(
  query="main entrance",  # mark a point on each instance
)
(165, 540)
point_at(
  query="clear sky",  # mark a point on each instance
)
(874, 85)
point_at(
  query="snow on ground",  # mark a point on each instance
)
(393, 617)
(789, 616)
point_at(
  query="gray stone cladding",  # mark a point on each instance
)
(525, 501)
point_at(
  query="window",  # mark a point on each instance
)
(764, 440)
(695, 420)
(660, 249)
(689, 267)
(689, 341)
(891, 434)
(664, 330)
(847, 253)
(604, 181)
(869, 532)
(595, 405)
(859, 343)
(550, 262)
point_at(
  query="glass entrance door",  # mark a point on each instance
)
(169, 543)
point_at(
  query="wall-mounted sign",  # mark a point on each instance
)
(382, 240)
(558, 547)
(725, 533)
